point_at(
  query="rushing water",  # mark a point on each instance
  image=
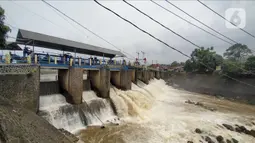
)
(72, 118)
(153, 113)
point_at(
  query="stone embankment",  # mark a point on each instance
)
(20, 125)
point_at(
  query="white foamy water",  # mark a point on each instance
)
(104, 110)
(157, 113)
(173, 121)
(153, 113)
(59, 113)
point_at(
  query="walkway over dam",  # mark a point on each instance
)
(21, 81)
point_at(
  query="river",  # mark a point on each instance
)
(153, 113)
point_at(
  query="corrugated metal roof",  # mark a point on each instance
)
(11, 46)
(47, 41)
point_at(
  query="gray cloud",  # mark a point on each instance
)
(124, 35)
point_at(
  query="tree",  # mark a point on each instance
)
(205, 60)
(182, 63)
(237, 52)
(250, 64)
(3, 29)
(174, 64)
(189, 66)
(232, 68)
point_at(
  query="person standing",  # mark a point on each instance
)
(11, 57)
(25, 52)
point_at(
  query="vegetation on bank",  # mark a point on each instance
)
(3, 29)
(237, 60)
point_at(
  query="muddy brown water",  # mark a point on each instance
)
(168, 119)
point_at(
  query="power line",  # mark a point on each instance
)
(84, 27)
(201, 22)
(165, 42)
(226, 19)
(42, 17)
(69, 23)
(191, 23)
(171, 30)
(161, 24)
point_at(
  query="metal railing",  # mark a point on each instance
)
(46, 59)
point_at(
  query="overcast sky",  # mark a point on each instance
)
(21, 14)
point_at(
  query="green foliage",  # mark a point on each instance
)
(237, 52)
(3, 29)
(232, 68)
(250, 64)
(182, 63)
(189, 66)
(202, 57)
(174, 64)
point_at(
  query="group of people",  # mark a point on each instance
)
(64, 58)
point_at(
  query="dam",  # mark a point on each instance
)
(120, 102)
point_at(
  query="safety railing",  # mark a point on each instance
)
(46, 59)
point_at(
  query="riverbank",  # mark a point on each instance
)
(242, 90)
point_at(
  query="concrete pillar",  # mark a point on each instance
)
(121, 79)
(151, 74)
(100, 81)
(76, 84)
(157, 74)
(145, 76)
(133, 74)
(71, 81)
(139, 74)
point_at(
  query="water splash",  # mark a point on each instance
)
(61, 114)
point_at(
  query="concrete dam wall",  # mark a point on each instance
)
(20, 84)
(71, 98)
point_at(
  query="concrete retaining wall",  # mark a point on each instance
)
(21, 84)
(217, 85)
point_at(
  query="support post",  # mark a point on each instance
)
(100, 81)
(71, 81)
(35, 58)
(121, 79)
(157, 73)
(133, 74)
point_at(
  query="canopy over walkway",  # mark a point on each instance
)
(26, 37)
(12, 46)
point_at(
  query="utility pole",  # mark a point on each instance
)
(137, 58)
(138, 55)
(143, 57)
(143, 54)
